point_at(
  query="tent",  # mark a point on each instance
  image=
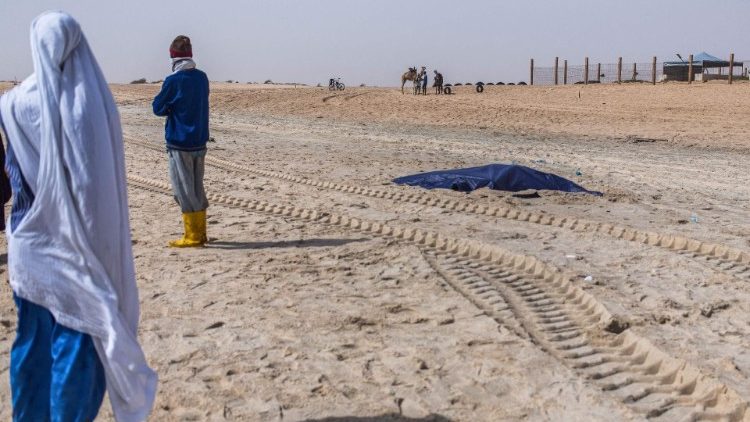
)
(678, 71)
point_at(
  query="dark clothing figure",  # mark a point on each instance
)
(5, 190)
(438, 84)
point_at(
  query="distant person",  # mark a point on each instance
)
(70, 261)
(183, 100)
(424, 80)
(438, 84)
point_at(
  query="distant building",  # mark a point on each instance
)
(705, 67)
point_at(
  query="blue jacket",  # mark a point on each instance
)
(184, 101)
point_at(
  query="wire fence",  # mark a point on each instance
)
(597, 73)
(633, 72)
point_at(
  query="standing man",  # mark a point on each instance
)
(183, 100)
(70, 258)
(438, 84)
(424, 80)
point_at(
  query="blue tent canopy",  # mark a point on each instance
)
(704, 60)
(513, 178)
(705, 57)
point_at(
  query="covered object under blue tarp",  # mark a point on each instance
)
(513, 178)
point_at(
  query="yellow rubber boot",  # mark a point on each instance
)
(193, 236)
(201, 220)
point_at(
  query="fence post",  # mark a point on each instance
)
(565, 72)
(635, 71)
(619, 70)
(599, 72)
(531, 78)
(731, 67)
(690, 69)
(653, 71)
(556, 76)
(586, 71)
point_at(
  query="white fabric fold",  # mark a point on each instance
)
(182, 63)
(72, 253)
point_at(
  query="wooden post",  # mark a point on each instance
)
(619, 70)
(690, 69)
(653, 71)
(635, 71)
(731, 67)
(586, 71)
(556, 60)
(565, 72)
(599, 72)
(531, 78)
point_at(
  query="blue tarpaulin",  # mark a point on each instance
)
(508, 177)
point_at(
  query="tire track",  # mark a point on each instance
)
(725, 259)
(567, 326)
(534, 299)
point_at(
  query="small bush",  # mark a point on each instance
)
(268, 82)
(139, 81)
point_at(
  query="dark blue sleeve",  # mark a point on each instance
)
(163, 101)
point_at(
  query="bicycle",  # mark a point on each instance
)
(336, 84)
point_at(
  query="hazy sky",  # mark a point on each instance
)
(373, 42)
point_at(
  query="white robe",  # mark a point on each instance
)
(71, 253)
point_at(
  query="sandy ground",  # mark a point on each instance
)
(281, 319)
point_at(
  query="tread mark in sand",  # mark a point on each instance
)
(721, 258)
(539, 303)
